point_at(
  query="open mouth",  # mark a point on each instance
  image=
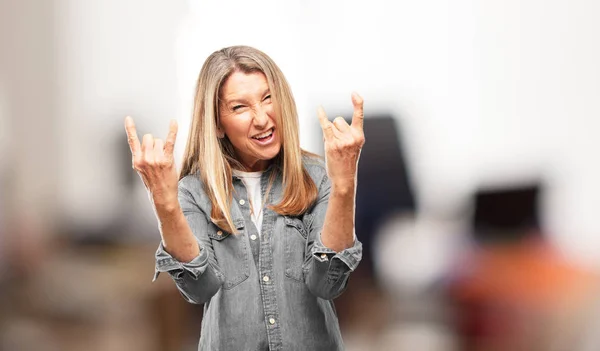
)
(266, 136)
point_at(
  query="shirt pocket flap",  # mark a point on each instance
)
(218, 234)
(295, 223)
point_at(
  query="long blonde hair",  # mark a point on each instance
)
(213, 157)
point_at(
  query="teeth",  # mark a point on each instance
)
(263, 135)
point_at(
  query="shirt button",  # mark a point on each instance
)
(253, 237)
(272, 320)
(266, 278)
(219, 233)
(242, 202)
(324, 256)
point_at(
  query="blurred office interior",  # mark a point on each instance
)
(478, 183)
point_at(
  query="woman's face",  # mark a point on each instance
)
(247, 118)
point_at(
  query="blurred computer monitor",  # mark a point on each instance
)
(506, 214)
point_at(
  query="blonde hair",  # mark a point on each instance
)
(213, 157)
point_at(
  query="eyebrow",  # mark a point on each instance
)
(227, 101)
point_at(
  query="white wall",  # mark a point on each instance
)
(116, 58)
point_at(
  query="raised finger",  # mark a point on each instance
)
(358, 115)
(132, 138)
(170, 141)
(325, 124)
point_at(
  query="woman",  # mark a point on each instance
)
(256, 229)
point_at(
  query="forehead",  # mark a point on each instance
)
(240, 85)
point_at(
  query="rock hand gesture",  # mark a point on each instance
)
(343, 144)
(153, 160)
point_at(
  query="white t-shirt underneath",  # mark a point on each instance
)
(252, 182)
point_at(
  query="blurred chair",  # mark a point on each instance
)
(384, 186)
(384, 190)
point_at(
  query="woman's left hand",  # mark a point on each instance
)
(343, 143)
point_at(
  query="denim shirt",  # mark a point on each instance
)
(272, 291)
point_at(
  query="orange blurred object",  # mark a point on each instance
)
(521, 296)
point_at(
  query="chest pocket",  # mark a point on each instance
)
(231, 252)
(295, 245)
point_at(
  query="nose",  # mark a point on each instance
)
(261, 118)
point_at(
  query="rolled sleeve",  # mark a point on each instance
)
(197, 280)
(327, 272)
(166, 263)
(344, 261)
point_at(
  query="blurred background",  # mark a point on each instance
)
(478, 184)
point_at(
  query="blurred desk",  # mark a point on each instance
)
(95, 298)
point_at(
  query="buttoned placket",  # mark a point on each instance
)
(261, 246)
(244, 207)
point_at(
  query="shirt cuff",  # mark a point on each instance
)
(350, 257)
(166, 263)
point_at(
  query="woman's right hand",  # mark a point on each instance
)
(154, 162)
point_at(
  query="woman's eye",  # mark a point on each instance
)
(267, 97)
(237, 107)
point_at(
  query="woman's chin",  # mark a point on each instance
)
(270, 154)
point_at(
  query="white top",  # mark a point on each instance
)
(252, 182)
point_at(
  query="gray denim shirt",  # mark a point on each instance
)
(271, 291)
